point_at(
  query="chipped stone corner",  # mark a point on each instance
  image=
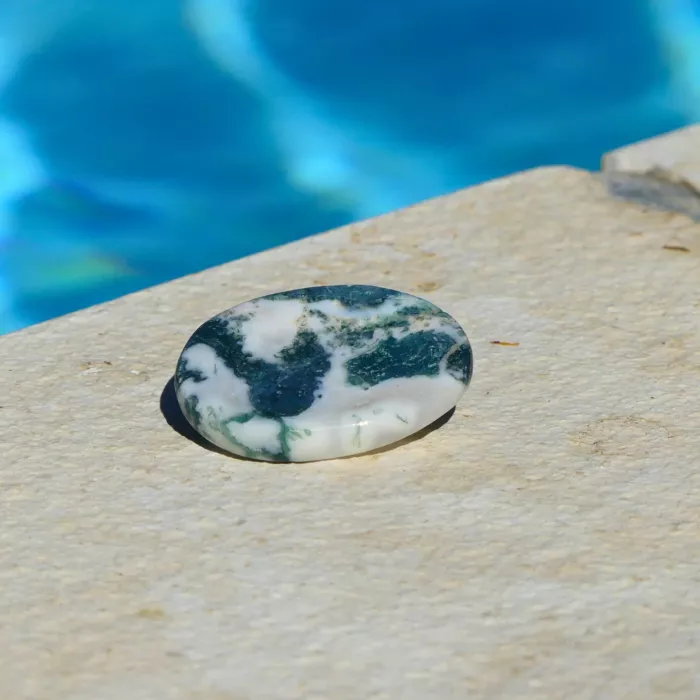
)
(656, 188)
(661, 173)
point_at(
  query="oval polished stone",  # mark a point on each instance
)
(322, 372)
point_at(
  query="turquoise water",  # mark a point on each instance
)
(139, 145)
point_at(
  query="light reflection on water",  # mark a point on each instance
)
(138, 145)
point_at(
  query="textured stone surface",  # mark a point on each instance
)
(322, 372)
(544, 543)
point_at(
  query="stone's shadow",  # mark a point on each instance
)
(654, 189)
(170, 408)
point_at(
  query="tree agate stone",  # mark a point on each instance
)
(322, 372)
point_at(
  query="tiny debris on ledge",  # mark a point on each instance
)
(505, 343)
(676, 248)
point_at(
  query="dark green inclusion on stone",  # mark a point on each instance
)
(276, 390)
(352, 296)
(417, 354)
(460, 364)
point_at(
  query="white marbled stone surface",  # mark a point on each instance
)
(322, 372)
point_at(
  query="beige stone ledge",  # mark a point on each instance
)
(543, 543)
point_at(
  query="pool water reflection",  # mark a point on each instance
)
(138, 145)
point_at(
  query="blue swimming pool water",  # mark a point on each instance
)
(141, 142)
